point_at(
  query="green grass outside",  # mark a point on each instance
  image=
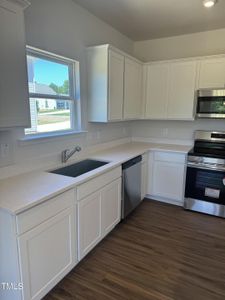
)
(44, 119)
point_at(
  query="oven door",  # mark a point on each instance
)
(204, 183)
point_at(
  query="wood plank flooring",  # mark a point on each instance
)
(160, 253)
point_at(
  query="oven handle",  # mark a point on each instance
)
(206, 167)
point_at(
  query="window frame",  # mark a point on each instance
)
(73, 97)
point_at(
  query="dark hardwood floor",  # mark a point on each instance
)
(161, 253)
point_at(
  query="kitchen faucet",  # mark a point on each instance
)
(66, 154)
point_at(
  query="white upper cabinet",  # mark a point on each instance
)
(156, 90)
(105, 84)
(212, 73)
(114, 85)
(14, 99)
(182, 83)
(170, 90)
(132, 89)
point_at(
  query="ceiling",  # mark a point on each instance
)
(148, 19)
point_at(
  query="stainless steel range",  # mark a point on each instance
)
(205, 178)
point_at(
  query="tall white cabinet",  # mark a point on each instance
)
(14, 99)
(114, 85)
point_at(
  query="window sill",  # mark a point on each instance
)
(41, 138)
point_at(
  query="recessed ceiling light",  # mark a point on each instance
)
(209, 3)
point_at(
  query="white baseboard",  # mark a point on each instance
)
(164, 200)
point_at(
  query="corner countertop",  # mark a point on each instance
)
(21, 192)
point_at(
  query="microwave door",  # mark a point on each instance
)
(211, 103)
(211, 107)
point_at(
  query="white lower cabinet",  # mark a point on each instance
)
(99, 212)
(47, 254)
(89, 223)
(110, 206)
(43, 247)
(166, 174)
(168, 180)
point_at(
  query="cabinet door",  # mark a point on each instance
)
(111, 206)
(168, 180)
(182, 82)
(132, 89)
(89, 223)
(212, 73)
(47, 254)
(116, 77)
(14, 98)
(157, 91)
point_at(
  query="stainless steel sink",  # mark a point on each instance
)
(80, 168)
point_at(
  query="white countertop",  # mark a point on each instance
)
(21, 192)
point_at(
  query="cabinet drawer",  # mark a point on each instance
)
(96, 183)
(170, 157)
(42, 212)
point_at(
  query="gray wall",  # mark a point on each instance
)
(190, 45)
(65, 28)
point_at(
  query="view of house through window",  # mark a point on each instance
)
(52, 94)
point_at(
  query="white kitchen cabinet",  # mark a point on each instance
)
(99, 209)
(156, 87)
(182, 83)
(14, 97)
(170, 90)
(105, 84)
(132, 89)
(89, 223)
(168, 180)
(40, 248)
(114, 85)
(111, 206)
(212, 73)
(47, 254)
(166, 176)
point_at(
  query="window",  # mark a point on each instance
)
(53, 91)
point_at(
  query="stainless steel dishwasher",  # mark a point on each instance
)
(131, 189)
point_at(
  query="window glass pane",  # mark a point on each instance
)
(49, 115)
(47, 77)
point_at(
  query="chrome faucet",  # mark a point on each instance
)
(66, 154)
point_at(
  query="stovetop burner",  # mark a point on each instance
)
(209, 144)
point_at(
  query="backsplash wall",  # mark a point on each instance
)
(173, 131)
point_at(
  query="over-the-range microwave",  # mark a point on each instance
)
(211, 103)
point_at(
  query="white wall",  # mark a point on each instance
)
(66, 29)
(173, 131)
(189, 45)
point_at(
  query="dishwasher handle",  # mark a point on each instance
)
(132, 162)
